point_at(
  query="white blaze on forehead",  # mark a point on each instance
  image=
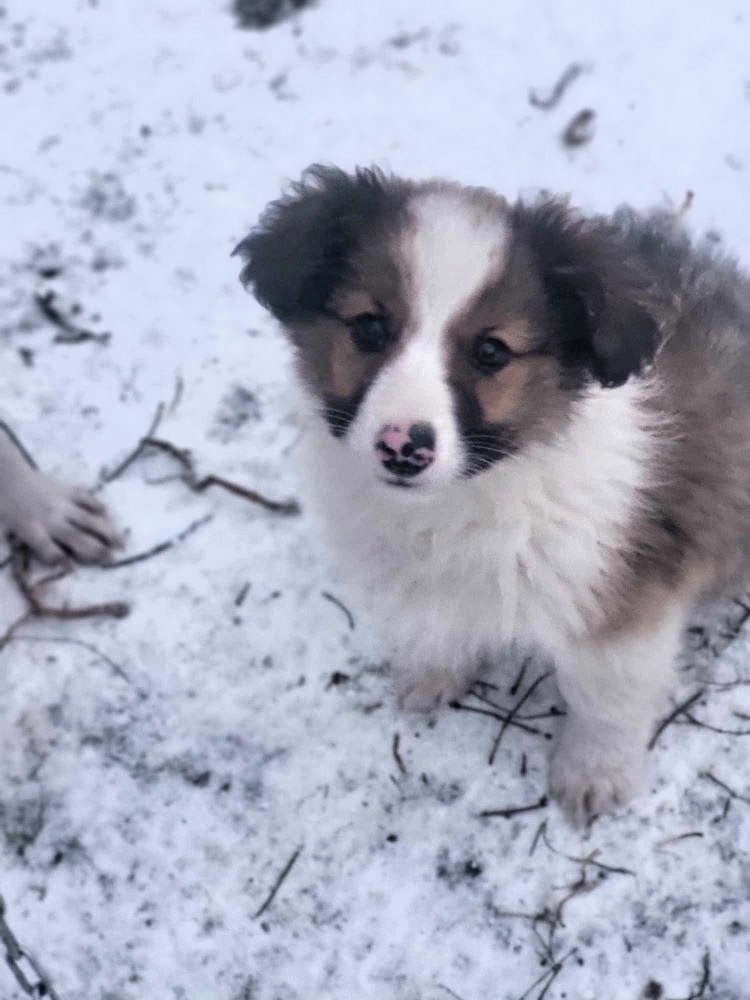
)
(455, 246)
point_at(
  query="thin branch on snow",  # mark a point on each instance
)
(157, 550)
(550, 100)
(31, 590)
(514, 712)
(108, 477)
(278, 884)
(673, 715)
(511, 811)
(341, 606)
(397, 754)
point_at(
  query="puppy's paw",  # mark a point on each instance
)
(58, 521)
(589, 777)
(429, 690)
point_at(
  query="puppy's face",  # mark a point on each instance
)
(441, 329)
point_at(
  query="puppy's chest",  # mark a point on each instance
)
(522, 570)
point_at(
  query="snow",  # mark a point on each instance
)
(159, 772)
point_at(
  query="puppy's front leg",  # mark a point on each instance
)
(614, 688)
(54, 520)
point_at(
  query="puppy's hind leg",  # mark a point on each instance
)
(53, 519)
(614, 687)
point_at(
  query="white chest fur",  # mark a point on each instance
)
(524, 552)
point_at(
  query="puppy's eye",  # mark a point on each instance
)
(370, 333)
(490, 354)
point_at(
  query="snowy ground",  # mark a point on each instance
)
(160, 772)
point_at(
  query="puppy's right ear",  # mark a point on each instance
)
(300, 250)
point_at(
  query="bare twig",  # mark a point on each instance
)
(548, 977)
(108, 477)
(589, 859)
(705, 981)
(342, 607)
(449, 991)
(31, 591)
(497, 713)
(397, 754)
(580, 129)
(690, 720)
(17, 442)
(157, 550)
(70, 332)
(680, 836)
(537, 836)
(278, 883)
(513, 712)
(199, 484)
(730, 791)
(69, 641)
(515, 810)
(553, 97)
(520, 676)
(682, 707)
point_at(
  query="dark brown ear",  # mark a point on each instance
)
(600, 303)
(300, 250)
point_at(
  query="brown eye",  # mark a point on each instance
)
(370, 333)
(490, 354)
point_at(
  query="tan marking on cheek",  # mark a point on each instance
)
(346, 369)
(501, 398)
(518, 392)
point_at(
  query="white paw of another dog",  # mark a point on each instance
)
(58, 521)
(589, 777)
(429, 690)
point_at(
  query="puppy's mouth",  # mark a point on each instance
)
(402, 484)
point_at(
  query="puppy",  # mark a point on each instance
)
(528, 429)
(54, 520)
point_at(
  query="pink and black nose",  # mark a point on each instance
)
(406, 449)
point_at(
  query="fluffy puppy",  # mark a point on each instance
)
(54, 520)
(528, 428)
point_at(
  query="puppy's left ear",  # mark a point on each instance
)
(601, 305)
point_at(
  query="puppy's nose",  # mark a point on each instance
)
(406, 449)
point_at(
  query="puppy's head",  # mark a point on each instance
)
(441, 329)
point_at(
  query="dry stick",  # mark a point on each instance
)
(161, 547)
(449, 991)
(70, 332)
(550, 974)
(515, 810)
(497, 714)
(717, 781)
(396, 754)
(10, 633)
(692, 721)
(590, 859)
(705, 979)
(278, 883)
(556, 970)
(680, 836)
(514, 711)
(537, 836)
(580, 129)
(198, 485)
(519, 679)
(114, 667)
(568, 77)
(30, 591)
(108, 477)
(682, 707)
(339, 604)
